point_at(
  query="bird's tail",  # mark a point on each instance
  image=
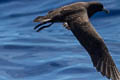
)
(42, 19)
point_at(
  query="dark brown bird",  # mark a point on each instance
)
(76, 18)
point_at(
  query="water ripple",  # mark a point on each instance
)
(54, 53)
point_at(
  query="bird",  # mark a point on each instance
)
(76, 17)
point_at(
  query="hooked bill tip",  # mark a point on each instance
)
(106, 11)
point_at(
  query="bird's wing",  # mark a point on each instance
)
(94, 44)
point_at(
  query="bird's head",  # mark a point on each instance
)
(94, 7)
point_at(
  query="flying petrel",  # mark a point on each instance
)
(76, 18)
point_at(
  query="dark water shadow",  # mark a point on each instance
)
(31, 71)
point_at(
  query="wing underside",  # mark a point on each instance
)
(93, 43)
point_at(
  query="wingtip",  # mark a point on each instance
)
(106, 68)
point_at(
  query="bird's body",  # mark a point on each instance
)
(58, 14)
(76, 16)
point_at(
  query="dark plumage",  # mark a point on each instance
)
(76, 18)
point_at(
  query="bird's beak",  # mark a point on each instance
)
(106, 11)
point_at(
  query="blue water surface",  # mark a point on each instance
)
(54, 53)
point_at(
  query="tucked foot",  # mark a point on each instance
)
(65, 24)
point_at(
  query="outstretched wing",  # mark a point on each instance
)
(94, 44)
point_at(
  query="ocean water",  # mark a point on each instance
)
(54, 53)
